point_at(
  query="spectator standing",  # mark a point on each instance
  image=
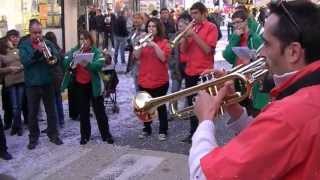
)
(109, 23)
(120, 36)
(12, 69)
(99, 19)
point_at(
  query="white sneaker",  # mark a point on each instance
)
(162, 137)
(143, 135)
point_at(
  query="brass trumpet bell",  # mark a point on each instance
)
(178, 38)
(51, 60)
(145, 105)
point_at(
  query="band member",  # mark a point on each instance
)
(12, 70)
(177, 62)
(87, 81)
(153, 73)
(38, 81)
(243, 37)
(137, 32)
(199, 46)
(282, 142)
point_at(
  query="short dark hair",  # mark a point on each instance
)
(51, 37)
(199, 6)
(160, 27)
(154, 13)
(12, 32)
(33, 21)
(3, 45)
(164, 9)
(240, 14)
(185, 16)
(307, 15)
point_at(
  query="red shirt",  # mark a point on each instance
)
(153, 73)
(198, 61)
(283, 142)
(243, 43)
(183, 57)
(82, 74)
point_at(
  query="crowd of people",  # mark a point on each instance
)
(31, 84)
(272, 144)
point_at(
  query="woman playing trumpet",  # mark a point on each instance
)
(153, 72)
(88, 85)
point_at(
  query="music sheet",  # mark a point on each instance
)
(80, 57)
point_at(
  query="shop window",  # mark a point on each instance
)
(50, 13)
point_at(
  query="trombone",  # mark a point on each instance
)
(248, 74)
(178, 38)
(47, 53)
(142, 42)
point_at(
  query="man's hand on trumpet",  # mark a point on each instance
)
(216, 72)
(207, 106)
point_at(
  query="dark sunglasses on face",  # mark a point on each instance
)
(281, 3)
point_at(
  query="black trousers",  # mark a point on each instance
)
(84, 94)
(72, 102)
(192, 81)
(162, 110)
(3, 143)
(107, 36)
(34, 95)
(7, 107)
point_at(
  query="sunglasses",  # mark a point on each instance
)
(281, 3)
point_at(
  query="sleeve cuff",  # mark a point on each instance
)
(205, 130)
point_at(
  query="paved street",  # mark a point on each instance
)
(128, 158)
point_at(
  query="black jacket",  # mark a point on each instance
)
(120, 27)
(99, 23)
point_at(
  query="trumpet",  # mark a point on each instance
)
(72, 64)
(178, 38)
(142, 42)
(248, 74)
(47, 53)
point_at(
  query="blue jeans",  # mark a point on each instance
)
(16, 96)
(59, 107)
(120, 44)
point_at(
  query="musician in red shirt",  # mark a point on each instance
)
(199, 46)
(283, 141)
(153, 72)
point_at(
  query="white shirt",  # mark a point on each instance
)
(204, 141)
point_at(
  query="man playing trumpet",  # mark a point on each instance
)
(283, 141)
(39, 83)
(198, 44)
